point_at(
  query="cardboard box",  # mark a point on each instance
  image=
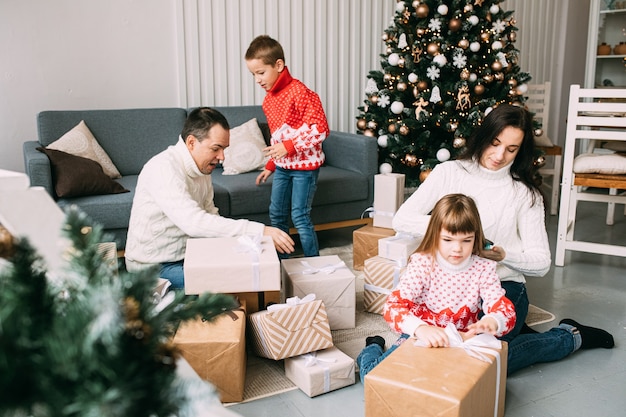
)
(257, 301)
(215, 349)
(380, 277)
(231, 265)
(398, 248)
(320, 372)
(445, 382)
(330, 280)
(365, 243)
(285, 331)
(388, 197)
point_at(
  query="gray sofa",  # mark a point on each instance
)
(132, 136)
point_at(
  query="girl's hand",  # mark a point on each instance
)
(496, 253)
(487, 325)
(433, 336)
(263, 176)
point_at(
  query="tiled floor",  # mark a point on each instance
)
(590, 288)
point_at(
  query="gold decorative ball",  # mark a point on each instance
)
(424, 174)
(369, 132)
(410, 160)
(404, 130)
(465, 74)
(361, 124)
(479, 89)
(499, 76)
(538, 132)
(540, 162)
(402, 86)
(387, 77)
(432, 48)
(468, 8)
(392, 128)
(512, 82)
(496, 66)
(420, 32)
(374, 99)
(422, 11)
(389, 50)
(464, 44)
(512, 36)
(455, 24)
(453, 126)
(484, 36)
(458, 142)
(488, 78)
(385, 36)
(422, 85)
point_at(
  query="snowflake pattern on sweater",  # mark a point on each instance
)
(296, 118)
(433, 293)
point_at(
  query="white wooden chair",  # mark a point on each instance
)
(538, 102)
(594, 115)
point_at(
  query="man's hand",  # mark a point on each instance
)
(433, 336)
(282, 241)
(263, 176)
(496, 253)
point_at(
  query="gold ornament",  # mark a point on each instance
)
(374, 99)
(488, 78)
(404, 130)
(540, 161)
(419, 107)
(499, 76)
(369, 132)
(385, 36)
(463, 98)
(478, 2)
(458, 142)
(432, 49)
(422, 11)
(392, 128)
(424, 174)
(496, 66)
(417, 54)
(512, 82)
(361, 124)
(422, 85)
(538, 132)
(455, 24)
(479, 89)
(7, 244)
(464, 44)
(468, 8)
(411, 160)
(512, 36)
(453, 126)
(484, 36)
(465, 74)
(387, 77)
(402, 86)
(420, 32)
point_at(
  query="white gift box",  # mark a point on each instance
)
(398, 248)
(320, 372)
(388, 197)
(330, 280)
(231, 265)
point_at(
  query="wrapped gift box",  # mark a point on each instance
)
(217, 348)
(320, 372)
(330, 280)
(284, 331)
(398, 248)
(257, 301)
(365, 243)
(445, 382)
(381, 275)
(388, 197)
(231, 265)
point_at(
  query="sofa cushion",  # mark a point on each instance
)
(75, 176)
(245, 152)
(80, 141)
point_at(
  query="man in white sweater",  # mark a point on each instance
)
(174, 200)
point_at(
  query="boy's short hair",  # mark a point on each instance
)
(266, 49)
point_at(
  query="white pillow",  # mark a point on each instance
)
(591, 163)
(245, 152)
(80, 142)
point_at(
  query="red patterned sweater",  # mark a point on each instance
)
(436, 292)
(296, 118)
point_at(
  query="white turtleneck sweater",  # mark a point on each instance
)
(508, 217)
(174, 201)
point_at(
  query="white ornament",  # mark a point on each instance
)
(473, 19)
(434, 25)
(497, 45)
(371, 87)
(522, 88)
(443, 155)
(393, 59)
(440, 60)
(382, 141)
(400, 6)
(385, 168)
(442, 10)
(433, 72)
(397, 107)
(488, 110)
(473, 77)
(474, 46)
(413, 77)
(494, 9)
(502, 58)
(402, 41)
(435, 96)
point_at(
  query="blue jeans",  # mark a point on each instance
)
(173, 271)
(292, 194)
(373, 354)
(516, 293)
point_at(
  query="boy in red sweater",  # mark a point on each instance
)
(298, 124)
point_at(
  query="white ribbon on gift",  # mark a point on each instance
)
(292, 301)
(382, 213)
(386, 291)
(311, 359)
(326, 269)
(480, 347)
(252, 245)
(386, 247)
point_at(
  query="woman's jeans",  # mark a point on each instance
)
(173, 271)
(292, 194)
(516, 293)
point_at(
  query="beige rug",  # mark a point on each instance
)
(266, 377)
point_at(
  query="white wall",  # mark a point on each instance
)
(89, 54)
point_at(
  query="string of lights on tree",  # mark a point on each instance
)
(447, 63)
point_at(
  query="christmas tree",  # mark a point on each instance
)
(92, 342)
(447, 64)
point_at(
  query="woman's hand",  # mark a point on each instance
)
(433, 336)
(496, 253)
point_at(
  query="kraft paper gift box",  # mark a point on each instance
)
(365, 243)
(381, 275)
(398, 248)
(290, 329)
(320, 372)
(330, 280)
(445, 382)
(231, 265)
(388, 197)
(215, 349)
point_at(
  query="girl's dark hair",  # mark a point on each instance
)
(457, 213)
(200, 121)
(507, 115)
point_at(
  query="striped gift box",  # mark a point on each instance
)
(381, 276)
(290, 331)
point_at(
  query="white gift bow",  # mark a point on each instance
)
(292, 301)
(478, 347)
(311, 359)
(385, 246)
(326, 269)
(252, 245)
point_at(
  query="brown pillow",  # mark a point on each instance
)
(75, 176)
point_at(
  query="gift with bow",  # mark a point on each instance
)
(320, 372)
(381, 275)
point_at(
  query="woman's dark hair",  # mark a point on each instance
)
(501, 117)
(200, 121)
